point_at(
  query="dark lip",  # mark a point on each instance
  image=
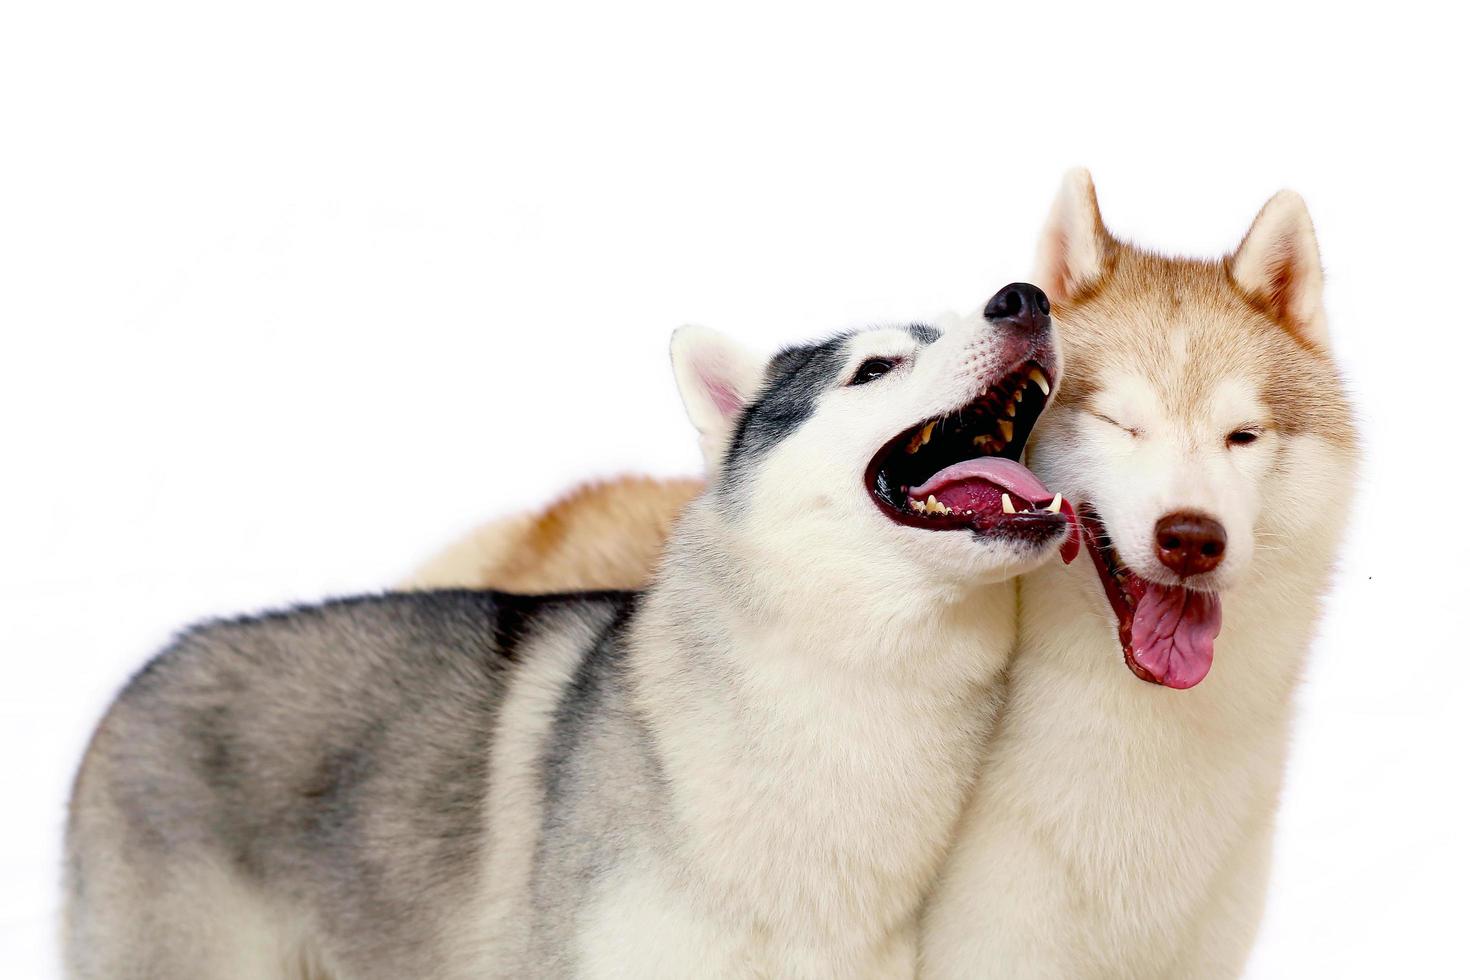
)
(1038, 527)
(1110, 568)
(1105, 560)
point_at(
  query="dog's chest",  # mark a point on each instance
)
(830, 804)
(1147, 797)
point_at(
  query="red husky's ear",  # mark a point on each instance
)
(1075, 244)
(717, 378)
(1278, 265)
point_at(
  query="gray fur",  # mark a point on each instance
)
(748, 770)
(333, 758)
(924, 333)
(795, 378)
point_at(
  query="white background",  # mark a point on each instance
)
(291, 295)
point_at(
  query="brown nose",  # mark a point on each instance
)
(1189, 544)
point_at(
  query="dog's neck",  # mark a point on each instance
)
(861, 733)
(853, 616)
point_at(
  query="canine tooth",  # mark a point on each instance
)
(1040, 380)
(1056, 504)
(1007, 428)
(928, 431)
(1006, 506)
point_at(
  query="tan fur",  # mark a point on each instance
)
(1142, 846)
(1105, 326)
(609, 535)
(1121, 829)
(605, 535)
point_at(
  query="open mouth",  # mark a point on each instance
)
(1167, 631)
(963, 469)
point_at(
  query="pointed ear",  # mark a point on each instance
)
(1075, 244)
(1278, 264)
(717, 378)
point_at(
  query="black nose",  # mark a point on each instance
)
(1189, 544)
(1021, 305)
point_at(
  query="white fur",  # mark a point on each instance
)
(716, 376)
(499, 922)
(820, 744)
(1154, 461)
(1122, 829)
(1073, 242)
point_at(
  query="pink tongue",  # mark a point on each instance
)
(1174, 632)
(1004, 473)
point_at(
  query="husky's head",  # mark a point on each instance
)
(1202, 422)
(883, 459)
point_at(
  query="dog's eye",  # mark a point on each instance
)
(871, 369)
(1243, 437)
(1112, 421)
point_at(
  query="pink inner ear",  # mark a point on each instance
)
(1282, 263)
(727, 399)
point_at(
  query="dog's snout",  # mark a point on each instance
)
(1020, 305)
(1189, 543)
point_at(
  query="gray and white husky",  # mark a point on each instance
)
(751, 769)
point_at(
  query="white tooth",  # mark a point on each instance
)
(1005, 504)
(916, 504)
(1040, 380)
(931, 505)
(1007, 428)
(928, 431)
(1056, 504)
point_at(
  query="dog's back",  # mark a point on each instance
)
(295, 793)
(603, 535)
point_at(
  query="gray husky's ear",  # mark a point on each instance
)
(717, 378)
(1278, 264)
(1075, 244)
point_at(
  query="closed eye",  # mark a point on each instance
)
(1112, 421)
